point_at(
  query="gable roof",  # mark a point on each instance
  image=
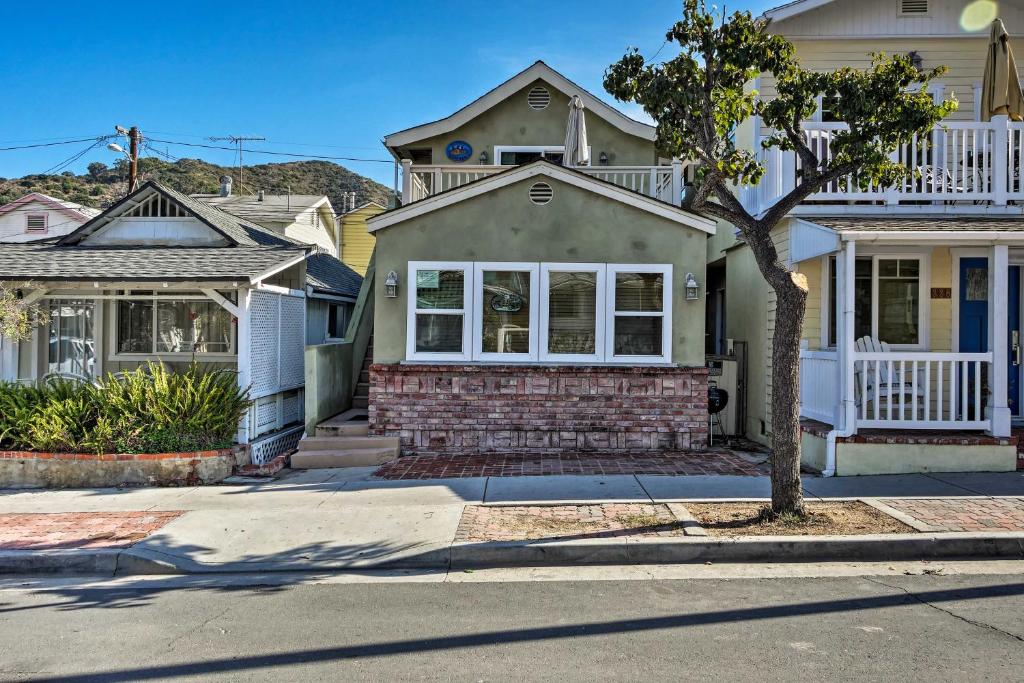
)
(539, 70)
(325, 273)
(237, 231)
(541, 167)
(792, 9)
(278, 208)
(69, 209)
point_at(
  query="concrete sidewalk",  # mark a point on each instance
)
(343, 519)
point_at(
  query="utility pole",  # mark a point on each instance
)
(134, 138)
(237, 140)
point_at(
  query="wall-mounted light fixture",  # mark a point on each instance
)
(602, 158)
(483, 158)
(692, 287)
(391, 285)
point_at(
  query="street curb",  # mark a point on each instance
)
(617, 551)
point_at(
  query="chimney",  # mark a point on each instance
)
(259, 197)
(225, 186)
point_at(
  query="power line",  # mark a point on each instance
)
(269, 152)
(54, 144)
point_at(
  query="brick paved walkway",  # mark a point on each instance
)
(512, 465)
(532, 522)
(42, 531)
(964, 514)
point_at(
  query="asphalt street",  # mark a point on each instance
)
(888, 626)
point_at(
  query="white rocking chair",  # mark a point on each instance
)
(886, 392)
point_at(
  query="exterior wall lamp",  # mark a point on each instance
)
(692, 287)
(391, 285)
(602, 158)
(483, 158)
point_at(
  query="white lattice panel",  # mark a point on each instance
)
(290, 412)
(265, 330)
(263, 451)
(293, 342)
(266, 414)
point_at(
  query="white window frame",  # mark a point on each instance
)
(478, 321)
(600, 270)
(543, 149)
(924, 292)
(610, 314)
(466, 311)
(114, 331)
(46, 223)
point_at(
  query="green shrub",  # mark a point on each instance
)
(148, 410)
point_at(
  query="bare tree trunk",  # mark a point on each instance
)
(791, 304)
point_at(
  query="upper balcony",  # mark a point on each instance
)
(665, 183)
(960, 167)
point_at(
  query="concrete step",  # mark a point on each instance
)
(361, 402)
(354, 428)
(359, 457)
(342, 443)
(364, 376)
(362, 389)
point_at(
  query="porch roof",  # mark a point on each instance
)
(40, 262)
(325, 273)
(922, 223)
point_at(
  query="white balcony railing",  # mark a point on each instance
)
(914, 390)
(661, 182)
(969, 162)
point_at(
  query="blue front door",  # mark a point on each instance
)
(974, 296)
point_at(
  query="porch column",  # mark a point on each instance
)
(846, 262)
(998, 339)
(242, 340)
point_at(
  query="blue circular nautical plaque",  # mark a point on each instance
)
(460, 150)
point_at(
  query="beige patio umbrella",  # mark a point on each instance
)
(1000, 89)
(577, 151)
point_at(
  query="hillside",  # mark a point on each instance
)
(102, 186)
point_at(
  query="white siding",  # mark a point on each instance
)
(12, 224)
(173, 231)
(873, 18)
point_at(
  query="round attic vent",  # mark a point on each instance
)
(541, 193)
(539, 98)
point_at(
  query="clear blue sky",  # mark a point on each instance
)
(314, 77)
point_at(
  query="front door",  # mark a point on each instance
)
(974, 296)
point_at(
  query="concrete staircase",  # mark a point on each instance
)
(343, 441)
(361, 397)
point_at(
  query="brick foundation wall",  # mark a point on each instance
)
(445, 409)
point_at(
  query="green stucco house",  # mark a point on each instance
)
(526, 305)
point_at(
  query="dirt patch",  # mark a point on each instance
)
(535, 522)
(847, 518)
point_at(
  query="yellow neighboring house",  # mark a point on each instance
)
(356, 242)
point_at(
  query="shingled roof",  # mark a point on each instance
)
(924, 223)
(326, 274)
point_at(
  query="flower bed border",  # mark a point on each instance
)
(115, 457)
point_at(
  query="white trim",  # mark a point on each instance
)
(224, 303)
(208, 357)
(540, 168)
(283, 291)
(537, 71)
(600, 270)
(479, 300)
(466, 311)
(665, 313)
(274, 270)
(792, 9)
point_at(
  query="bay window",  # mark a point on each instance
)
(549, 312)
(890, 299)
(152, 324)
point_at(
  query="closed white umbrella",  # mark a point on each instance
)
(577, 151)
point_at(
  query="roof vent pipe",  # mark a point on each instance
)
(225, 186)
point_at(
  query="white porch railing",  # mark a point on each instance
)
(921, 390)
(661, 182)
(819, 385)
(959, 161)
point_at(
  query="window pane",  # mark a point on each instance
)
(638, 336)
(193, 327)
(72, 342)
(506, 312)
(909, 267)
(438, 333)
(572, 313)
(898, 306)
(639, 292)
(862, 291)
(888, 268)
(833, 302)
(440, 289)
(135, 327)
